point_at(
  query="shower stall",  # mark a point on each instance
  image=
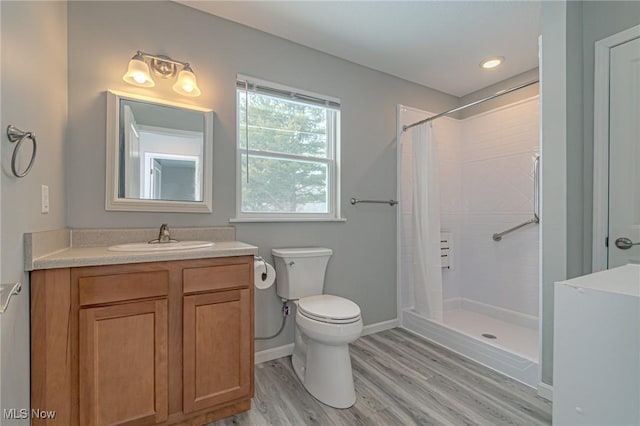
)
(468, 233)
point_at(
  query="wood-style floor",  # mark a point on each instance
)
(400, 379)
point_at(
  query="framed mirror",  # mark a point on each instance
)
(159, 155)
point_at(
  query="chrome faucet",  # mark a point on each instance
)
(163, 236)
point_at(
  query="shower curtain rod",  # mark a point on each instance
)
(479, 101)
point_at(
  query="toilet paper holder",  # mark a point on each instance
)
(264, 262)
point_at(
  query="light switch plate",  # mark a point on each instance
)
(45, 199)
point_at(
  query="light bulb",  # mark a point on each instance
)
(138, 73)
(139, 78)
(492, 62)
(186, 83)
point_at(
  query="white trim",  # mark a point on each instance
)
(601, 143)
(285, 219)
(136, 97)
(273, 353)
(5, 363)
(278, 86)
(112, 200)
(399, 108)
(380, 326)
(540, 268)
(545, 391)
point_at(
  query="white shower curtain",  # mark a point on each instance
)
(425, 214)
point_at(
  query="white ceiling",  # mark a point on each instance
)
(438, 44)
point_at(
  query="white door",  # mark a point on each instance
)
(156, 180)
(132, 155)
(624, 154)
(2, 406)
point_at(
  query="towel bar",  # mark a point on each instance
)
(355, 201)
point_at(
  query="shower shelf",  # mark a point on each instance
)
(446, 250)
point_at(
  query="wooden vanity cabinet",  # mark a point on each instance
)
(143, 344)
(122, 347)
(123, 364)
(216, 317)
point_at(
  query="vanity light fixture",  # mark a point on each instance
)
(492, 62)
(141, 65)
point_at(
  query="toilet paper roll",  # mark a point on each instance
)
(263, 274)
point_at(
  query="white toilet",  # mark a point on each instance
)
(325, 325)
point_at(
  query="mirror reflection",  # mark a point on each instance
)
(161, 152)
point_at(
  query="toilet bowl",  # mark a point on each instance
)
(321, 354)
(325, 325)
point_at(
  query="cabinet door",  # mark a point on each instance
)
(216, 348)
(123, 364)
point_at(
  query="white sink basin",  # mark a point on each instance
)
(177, 245)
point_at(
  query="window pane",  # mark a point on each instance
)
(279, 125)
(284, 186)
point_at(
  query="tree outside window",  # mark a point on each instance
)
(288, 165)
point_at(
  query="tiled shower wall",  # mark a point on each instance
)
(487, 187)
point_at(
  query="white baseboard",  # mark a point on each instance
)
(273, 353)
(545, 391)
(380, 326)
(286, 350)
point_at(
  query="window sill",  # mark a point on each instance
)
(285, 219)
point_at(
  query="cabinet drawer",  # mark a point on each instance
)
(214, 278)
(120, 287)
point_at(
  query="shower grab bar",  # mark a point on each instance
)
(355, 201)
(536, 203)
(498, 236)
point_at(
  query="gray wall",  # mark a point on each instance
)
(600, 20)
(33, 97)
(584, 24)
(102, 38)
(576, 204)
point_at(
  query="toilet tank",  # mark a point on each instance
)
(300, 271)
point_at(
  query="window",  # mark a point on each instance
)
(287, 153)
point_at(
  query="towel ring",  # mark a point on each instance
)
(16, 135)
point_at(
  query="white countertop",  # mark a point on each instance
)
(94, 256)
(622, 280)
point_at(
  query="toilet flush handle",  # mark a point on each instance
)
(291, 263)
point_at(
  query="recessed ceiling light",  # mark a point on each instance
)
(492, 62)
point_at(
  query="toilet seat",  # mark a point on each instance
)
(329, 309)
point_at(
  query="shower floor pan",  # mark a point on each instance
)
(513, 352)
